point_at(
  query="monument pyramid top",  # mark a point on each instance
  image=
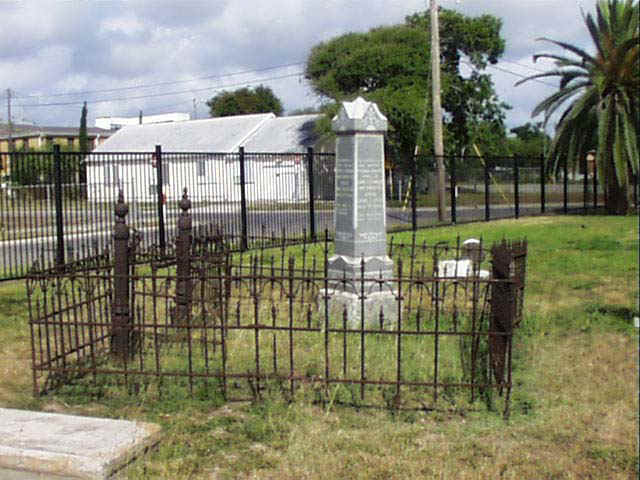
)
(359, 115)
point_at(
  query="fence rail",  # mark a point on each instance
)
(57, 207)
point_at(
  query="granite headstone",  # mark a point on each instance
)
(360, 216)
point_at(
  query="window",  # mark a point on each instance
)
(202, 167)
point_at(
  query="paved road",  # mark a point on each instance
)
(17, 256)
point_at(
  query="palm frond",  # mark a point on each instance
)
(572, 48)
(619, 152)
(553, 73)
(570, 142)
(552, 102)
(570, 75)
(630, 135)
(585, 103)
(605, 147)
(602, 16)
(594, 33)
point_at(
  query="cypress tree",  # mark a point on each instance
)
(83, 139)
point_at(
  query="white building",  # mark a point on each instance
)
(202, 156)
(116, 123)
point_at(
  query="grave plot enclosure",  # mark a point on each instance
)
(234, 326)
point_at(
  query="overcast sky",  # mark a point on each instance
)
(158, 56)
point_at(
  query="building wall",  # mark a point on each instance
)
(38, 141)
(137, 178)
(207, 179)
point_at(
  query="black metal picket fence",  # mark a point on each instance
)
(57, 207)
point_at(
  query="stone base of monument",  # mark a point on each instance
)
(375, 304)
(345, 272)
(347, 284)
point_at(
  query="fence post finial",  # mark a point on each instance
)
(122, 209)
(120, 314)
(185, 203)
(184, 285)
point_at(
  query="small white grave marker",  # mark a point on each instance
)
(467, 266)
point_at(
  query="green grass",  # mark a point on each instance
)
(497, 196)
(574, 406)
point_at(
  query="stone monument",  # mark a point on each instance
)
(360, 217)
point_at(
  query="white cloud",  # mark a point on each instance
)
(53, 47)
(127, 25)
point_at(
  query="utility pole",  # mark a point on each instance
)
(437, 108)
(9, 124)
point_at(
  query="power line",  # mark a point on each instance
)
(524, 66)
(157, 84)
(180, 92)
(505, 70)
(523, 76)
(162, 108)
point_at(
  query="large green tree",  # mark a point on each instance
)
(391, 66)
(244, 101)
(600, 94)
(528, 141)
(475, 114)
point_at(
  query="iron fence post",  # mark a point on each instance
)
(565, 185)
(414, 179)
(585, 184)
(243, 200)
(312, 208)
(595, 185)
(487, 215)
(57, 168)
(120, 315)
(542, 183)
(453, 185)
(635, 190)
(160, 199)
(502, 313)
(183, 262)
(516, 187)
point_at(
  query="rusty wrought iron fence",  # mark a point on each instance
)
(240, 326)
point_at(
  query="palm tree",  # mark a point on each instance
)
(601, 93)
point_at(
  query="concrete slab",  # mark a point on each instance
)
(38, 445)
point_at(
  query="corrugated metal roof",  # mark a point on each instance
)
(256, 133)
(284, 134)
(223, 134)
